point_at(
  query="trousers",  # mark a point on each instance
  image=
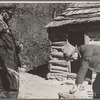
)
(96, 86)
(9, 86)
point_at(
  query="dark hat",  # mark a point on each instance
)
(8, 7)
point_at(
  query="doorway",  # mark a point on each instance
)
(76, 38)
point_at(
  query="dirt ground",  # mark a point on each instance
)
(35, 87)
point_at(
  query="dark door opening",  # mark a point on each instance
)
(75, 38)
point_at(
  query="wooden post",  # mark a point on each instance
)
(69, 69)
(86, 39)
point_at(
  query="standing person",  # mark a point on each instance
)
(9, 58)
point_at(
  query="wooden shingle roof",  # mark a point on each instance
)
(77, 13)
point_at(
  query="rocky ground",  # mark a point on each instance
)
(36, 87)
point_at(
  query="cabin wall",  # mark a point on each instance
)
(58, 67)
(77, 34)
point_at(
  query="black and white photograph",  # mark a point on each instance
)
(49, 50)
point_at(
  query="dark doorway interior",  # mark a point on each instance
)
(75, 38)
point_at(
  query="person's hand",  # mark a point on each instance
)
(21, 47)
(1, 17)
(75, 89)
(84, 85)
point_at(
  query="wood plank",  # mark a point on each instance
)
(57, 54)
(86, 39)
(58, 68)
(72, 75)
(58, 71)
(58, 43)
(58, 74)
(63, 63)
(66, 95)
(57, 47)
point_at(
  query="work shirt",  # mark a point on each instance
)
(90, 60)
(8, 53)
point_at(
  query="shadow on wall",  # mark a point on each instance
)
(41, 71)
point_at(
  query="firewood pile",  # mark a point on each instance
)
(59, 68)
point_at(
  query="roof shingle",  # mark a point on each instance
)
(77, 13)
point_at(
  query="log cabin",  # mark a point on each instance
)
(81, 23)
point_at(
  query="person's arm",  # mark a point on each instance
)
(88, 76)
(1, 27)
(80, 77)
(86, 54)
(82, 72)
(19, 48)
(85, 73)
(87, 79)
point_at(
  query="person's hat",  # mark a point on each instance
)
(7, 6)
(10, 7)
